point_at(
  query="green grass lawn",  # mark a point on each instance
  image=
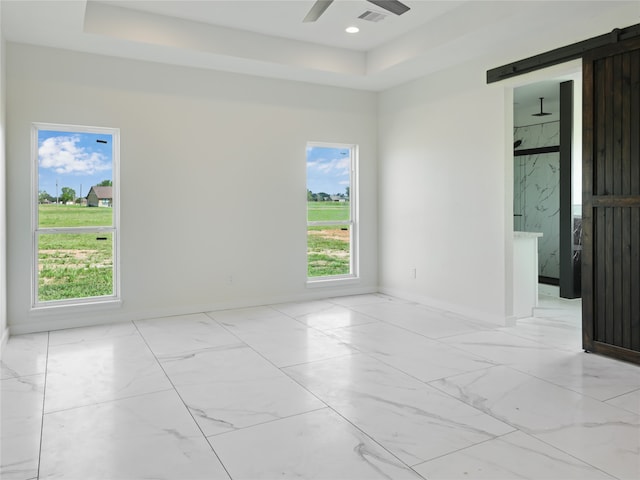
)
(74, 265)
(328, 251)
(327, 211)
(74, 216)
(328, 246)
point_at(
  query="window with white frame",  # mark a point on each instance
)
(75, 214)
(331, 211)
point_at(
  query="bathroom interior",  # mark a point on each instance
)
(544, 201)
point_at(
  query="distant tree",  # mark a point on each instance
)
(309, 196)
(105, 183)
(321, 196)
(348, 189)
(68, 195)
(44, 197)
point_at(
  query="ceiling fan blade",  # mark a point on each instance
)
(394, 6)
(317, 10)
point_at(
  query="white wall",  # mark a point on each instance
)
(446, 172)
(212, 179)
(3, 211)
(443, 183)
(446, 187)
(443, 192)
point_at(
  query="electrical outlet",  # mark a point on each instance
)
(412, 272)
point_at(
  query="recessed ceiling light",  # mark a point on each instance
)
(352, 29)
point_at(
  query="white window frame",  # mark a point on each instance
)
(352, 223)
(36, 230)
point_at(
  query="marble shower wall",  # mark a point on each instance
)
(536, 193)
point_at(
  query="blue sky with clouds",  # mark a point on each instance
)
(328, 169)
(78, 160)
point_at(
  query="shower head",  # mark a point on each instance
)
(541, 114)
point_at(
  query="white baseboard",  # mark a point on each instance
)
(450, 307)
(4, 340)
(111, 315)
(61, 321)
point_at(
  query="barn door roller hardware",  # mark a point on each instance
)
(562, 54)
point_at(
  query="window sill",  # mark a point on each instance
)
(43, 309)
(332, 282)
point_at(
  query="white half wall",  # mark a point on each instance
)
(213, 172)
(443, 190)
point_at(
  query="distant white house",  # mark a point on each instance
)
(100, 197)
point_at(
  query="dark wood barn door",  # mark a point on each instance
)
(611, 201)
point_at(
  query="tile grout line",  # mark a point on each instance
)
(514, 426)
(356, 427)
(620, 395)
(111, 400)
(500, 437)
(578, 459)
(267, 422)
(365, 434)
(281, 370)
(426, 383)
(182, 400)
(461, 449)
(44, 396)
(357, 352)
(249, 347)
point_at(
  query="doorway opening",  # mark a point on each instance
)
(547, 174)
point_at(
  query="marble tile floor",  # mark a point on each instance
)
(360, 387)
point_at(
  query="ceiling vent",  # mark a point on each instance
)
(372, 16)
